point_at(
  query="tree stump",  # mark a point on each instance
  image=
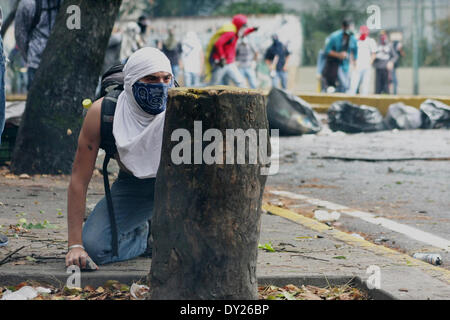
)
(207, 216)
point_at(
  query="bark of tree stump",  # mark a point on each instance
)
(206, 220)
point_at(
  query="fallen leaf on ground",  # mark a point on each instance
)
(118, 291)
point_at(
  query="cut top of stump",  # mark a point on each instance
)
(213, 91)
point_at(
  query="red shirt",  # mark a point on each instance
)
(225, 46)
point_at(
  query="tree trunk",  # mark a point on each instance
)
(206, 220)
(68, 73)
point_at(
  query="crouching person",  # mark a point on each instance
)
(138, 130)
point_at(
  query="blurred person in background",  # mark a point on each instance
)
(131, 41)
(367, 48)
(2, 96)
(143, 23)
(384, 64)
(396, 40)
(340, 49)
(220, 60)
(192, 58)
(34, 21)
(277, 57)
(172, 49)
(246, 57)
(17, 72)
(112, 53)
(321, 60)
(3, 238)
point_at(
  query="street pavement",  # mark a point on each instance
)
(405, 194)
(411, 194)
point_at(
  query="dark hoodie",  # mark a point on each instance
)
(277, 49)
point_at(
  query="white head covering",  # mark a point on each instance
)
(138, 134)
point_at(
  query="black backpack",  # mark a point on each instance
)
(111, 87)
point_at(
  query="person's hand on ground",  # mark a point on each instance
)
(76, 256)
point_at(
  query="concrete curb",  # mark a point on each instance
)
(59, 279)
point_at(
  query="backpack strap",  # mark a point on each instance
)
(108, 143)
(37, 14)
(109, 203)
(50, 9)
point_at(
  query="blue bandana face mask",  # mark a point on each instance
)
(151, 97)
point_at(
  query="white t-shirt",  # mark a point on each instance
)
(366, 48)
(192, 58)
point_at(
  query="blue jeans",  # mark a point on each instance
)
(249, 74)
(344, 80)
(360, 79)
(395, 80)
(282, 76)
(228, 71)
(133, 207)
(30, 74)
(2, 90)
(191, 79)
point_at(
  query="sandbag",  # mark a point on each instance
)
(403, 117)
(435, 114)
(290, 114)
(347, 117)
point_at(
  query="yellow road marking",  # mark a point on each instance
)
(399, 257)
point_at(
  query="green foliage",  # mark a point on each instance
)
(431, 52)
(267, 247)
(251, 7)
(130, 7)
(439, 54)
(181, 8)
(40, 225)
